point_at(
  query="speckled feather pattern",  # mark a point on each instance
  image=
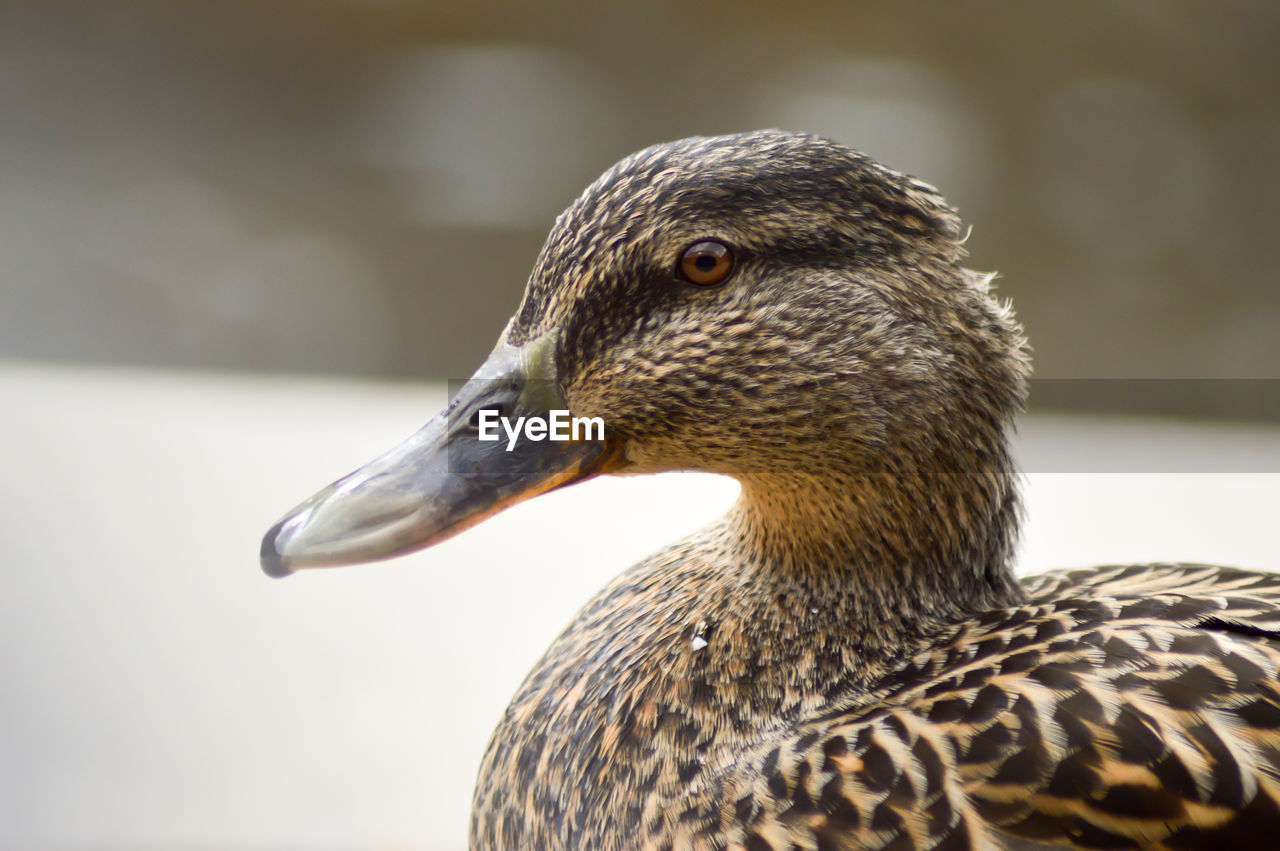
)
(845, 661)
(1134, 706)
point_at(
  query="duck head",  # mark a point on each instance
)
(771, 306)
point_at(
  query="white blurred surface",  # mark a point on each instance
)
(159, 691)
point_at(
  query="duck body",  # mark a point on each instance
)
(845, 660)
(1118, 707)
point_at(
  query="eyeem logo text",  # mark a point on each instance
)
(558, 426)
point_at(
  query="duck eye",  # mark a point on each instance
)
(706, 263)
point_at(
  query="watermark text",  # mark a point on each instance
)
(557, 425)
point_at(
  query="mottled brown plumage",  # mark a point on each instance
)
(844, 661)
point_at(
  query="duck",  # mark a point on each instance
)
(846, 659)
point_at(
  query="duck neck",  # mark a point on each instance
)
(890, 558)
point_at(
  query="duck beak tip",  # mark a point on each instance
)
(272, 561)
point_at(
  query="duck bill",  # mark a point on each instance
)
(458, 469)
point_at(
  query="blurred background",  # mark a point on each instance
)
(243, 244)
(360, 187)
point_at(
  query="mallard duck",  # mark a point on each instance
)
(846, 659)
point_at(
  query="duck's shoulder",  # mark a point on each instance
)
(1091, 622)
(1234, 585)
(1118, 705)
